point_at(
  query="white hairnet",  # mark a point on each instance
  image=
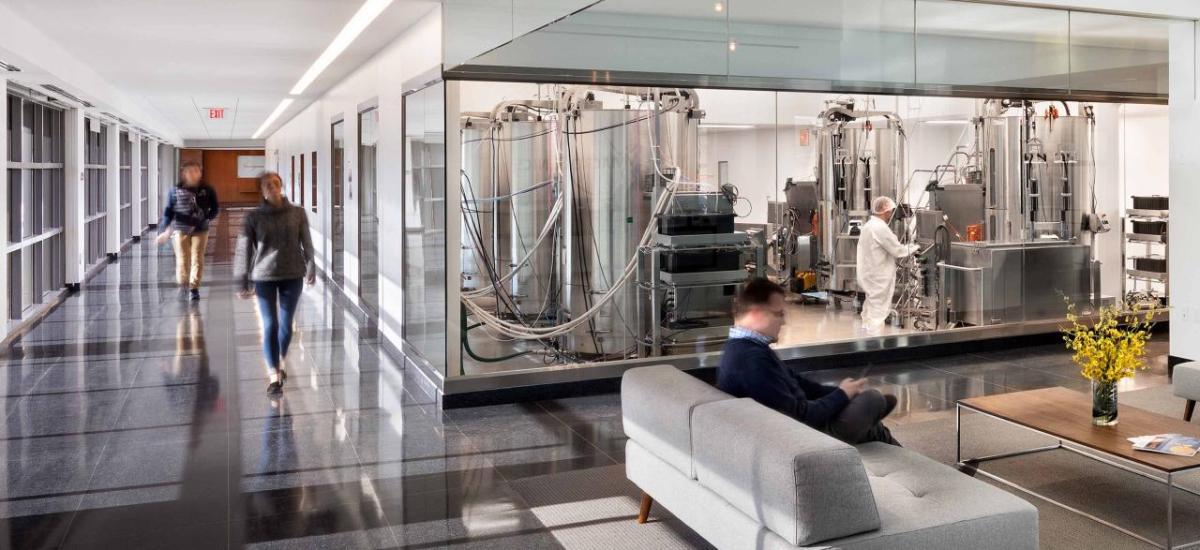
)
(882, 204)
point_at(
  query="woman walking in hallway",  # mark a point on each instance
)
(274, 258)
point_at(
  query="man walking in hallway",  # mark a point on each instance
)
(191, 205)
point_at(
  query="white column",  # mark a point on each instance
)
(4, 201)
(154, 210)
(135, 195)
(113, 190)
(74, 189)
(1184, 262)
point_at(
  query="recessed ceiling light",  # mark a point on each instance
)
(719, 7)
(283, 105)
(732, 46)
(366, 14)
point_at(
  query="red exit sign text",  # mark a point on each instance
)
(216, 112)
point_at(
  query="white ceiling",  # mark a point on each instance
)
(184, 56)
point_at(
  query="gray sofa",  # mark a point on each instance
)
(744, 476)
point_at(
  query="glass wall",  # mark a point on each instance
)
(126, 161)
(314, 182)
(880, 45)
(337, 133)
(368, 212)
(559, 184)
(95, 224)
(144, 183)
(425, 247)
(36, 251)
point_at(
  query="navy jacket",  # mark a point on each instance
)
(188, 222)
(752, 369)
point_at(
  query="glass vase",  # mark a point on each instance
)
(1104, 403)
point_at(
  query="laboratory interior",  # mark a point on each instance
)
(608, 224)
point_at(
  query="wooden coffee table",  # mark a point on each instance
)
(1066, 415)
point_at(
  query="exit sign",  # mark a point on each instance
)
(216, 112)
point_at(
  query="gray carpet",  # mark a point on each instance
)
(593, 508)
(1102, 490)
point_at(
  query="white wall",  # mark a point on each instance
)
(381, 79)
(1184, 174)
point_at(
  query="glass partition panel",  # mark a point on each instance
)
(839, 40)
(1114, 53)
(963, 43)
(670, 36)
(424, 238)
(471, 27)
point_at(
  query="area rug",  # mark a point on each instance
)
(597, 507)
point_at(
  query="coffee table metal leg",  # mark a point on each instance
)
(1170, 518)
(957, 433)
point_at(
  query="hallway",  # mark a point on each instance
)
(136, 419)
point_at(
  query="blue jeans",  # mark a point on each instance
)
(277, 301)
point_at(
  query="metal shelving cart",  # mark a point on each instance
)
(1146, 251)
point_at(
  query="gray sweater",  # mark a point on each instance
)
(274, 246)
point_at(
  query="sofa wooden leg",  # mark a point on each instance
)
(1187, 412)
(644, 512)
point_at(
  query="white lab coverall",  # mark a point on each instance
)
(878, 249)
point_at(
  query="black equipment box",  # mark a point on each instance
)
(1152, 202)
(701, 261)
(696, 224)
(1153, 265)
(1149, 227)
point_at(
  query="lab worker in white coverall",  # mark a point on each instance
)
(878, 249)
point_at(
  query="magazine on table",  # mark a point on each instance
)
(1171, 444)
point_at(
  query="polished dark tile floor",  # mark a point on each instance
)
(137, 420)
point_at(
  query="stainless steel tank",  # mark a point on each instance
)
(1038, 176)
(861, 157)
(531, 171)
(477, 193)
(612, 184)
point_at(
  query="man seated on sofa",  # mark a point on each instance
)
(750, 368)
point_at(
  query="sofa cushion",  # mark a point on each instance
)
(803, 485)
(926, 504)
(1185, 380)
(656, 411)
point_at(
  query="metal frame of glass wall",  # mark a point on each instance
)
(95, 222)
(36, 251)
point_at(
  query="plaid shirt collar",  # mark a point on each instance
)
(747, 334)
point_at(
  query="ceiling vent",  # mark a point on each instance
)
(9, 68)
(68, 95)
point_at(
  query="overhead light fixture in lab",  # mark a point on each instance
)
(719, 7)
(365, 15)
(283, 105)
(956, 121)
(727, 126)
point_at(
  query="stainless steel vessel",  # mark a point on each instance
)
(861, 157)
(610, 194)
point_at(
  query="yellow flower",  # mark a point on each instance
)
(1113, 347)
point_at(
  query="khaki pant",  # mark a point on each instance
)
(189, 257)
